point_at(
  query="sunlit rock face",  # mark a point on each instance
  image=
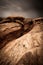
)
(21, 41)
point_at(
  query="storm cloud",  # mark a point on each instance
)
(25, 8)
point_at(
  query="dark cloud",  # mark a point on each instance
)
(27, 8)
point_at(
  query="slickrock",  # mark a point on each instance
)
(21, 41)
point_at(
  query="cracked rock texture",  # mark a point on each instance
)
(21, 41)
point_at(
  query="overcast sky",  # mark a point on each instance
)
(25, 8)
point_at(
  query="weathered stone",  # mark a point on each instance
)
(22, 45)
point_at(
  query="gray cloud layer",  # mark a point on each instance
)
(25, 8)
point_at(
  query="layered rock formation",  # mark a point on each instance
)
(21, 41)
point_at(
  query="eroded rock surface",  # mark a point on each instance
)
(21, 41)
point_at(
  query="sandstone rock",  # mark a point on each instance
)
(21, 41)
